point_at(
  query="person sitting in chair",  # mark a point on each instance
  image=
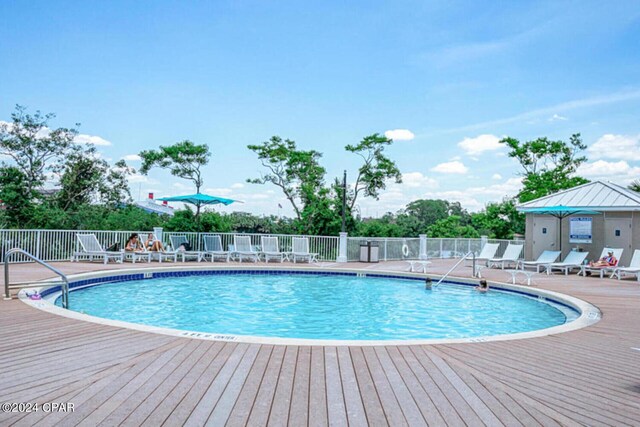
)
(153, 244)
(606, 261)
(133, 244)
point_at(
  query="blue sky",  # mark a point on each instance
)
(456, 75)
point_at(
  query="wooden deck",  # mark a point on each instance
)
(116, 376)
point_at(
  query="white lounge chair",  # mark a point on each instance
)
(301, 250)
(546, 257)
(573, 260)
(161, 255)
(415, 263)
(91, 249)
(488, 251)
(213, 248)
(633, 268)
(511, 256)
(271, 249)
(242, 248)
(179, 240)
(617, 253)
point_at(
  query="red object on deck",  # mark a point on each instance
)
(151, 196)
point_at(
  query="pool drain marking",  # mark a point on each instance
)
(593, 315)
(361, 275)
(148, 275)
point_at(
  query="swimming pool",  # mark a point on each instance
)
(317, 306)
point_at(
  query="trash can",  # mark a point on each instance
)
(369, 251)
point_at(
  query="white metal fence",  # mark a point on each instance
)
(393, 248)
(60, 245)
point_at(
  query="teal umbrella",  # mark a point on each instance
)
(199, 200)
(560, 212)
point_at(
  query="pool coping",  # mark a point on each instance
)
(588, 313)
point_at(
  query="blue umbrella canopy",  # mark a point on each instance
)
(199, 199)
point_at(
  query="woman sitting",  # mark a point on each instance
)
(607, 261)
(133, 244)
(153, 244)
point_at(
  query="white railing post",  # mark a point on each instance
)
(441, 254)
(157, 231)
(483, 240)
(342, 254)
(423, 246)
(38, 242)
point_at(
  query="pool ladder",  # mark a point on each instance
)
(464, 257)
(7, 258)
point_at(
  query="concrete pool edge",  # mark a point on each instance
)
(588, 313)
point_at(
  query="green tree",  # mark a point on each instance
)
(499, 220)
(183, 159)
(301, 178)
(33, 146)
(85, 178)
(376, 168)
(15, 196)
(635, 186)
(451, 227)
(549, 166)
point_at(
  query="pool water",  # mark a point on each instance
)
(317, 307)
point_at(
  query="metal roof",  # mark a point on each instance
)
(597, 195)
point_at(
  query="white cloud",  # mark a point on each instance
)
(400, 134)
(91, 139)
(610, 98)
(620, 172)
(239, 185)
(557, 118)
(480, 144)
(451, 167)
(611, 146)
(417, 179)
(132, 158)
(136, 178)
(496, 176)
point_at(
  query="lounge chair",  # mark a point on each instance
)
(134, 256)
(617, 253)
(91, 248)
(301, 250)
(511, 256)
(162, 255)
(488, 251)
(633, 268)
(213, 248)
(242, 248)
(177, 241)
(573, 260)
(271, 249)
(546, 257)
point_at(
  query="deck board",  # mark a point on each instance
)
(117, 376)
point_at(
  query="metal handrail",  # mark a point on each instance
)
(7, 257)
(457, 264)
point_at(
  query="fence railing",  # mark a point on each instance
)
(60, 245)
(399, 248)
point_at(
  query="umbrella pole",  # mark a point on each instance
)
(561, 256)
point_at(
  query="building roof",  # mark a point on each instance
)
(600, 196)
(153, 207)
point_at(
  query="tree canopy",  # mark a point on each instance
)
(548, 166)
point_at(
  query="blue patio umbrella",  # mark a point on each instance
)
(560, 212)
(200, 200)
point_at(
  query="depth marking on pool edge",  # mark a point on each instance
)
(215, 337)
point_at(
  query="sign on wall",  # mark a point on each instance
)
(580, 230)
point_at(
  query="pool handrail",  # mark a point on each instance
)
(473, 255)
(7, 258)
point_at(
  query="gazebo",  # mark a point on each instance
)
(603, 214)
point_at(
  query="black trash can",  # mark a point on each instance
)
(369, 251)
